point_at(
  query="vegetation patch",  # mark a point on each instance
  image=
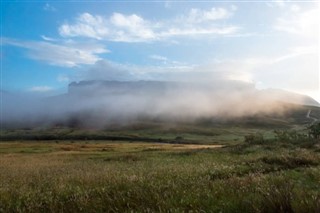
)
(291, 162)
(124, 158)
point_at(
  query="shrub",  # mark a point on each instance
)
(289, 136)
(290, 162)
(314, 130)
(256, 138)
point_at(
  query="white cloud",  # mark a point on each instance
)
(118, 27)
(134, 28)
(68, 54)
(40, 89)
(199, 16)
(305, 23)
(131, 27)
(86, 26)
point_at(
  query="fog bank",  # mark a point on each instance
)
(100, 104)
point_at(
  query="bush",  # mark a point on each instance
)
(290, 162)
(256, 138)
(289, 136)
(314, 130)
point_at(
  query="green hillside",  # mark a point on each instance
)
(199, 131)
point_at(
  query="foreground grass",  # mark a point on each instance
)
(102, 176)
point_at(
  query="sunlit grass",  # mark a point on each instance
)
(104, 177)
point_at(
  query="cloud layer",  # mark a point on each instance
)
(101, 104)
(67, 54)
(134, 28)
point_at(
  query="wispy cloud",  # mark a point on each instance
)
(199, 16)
(66, 54)
(165, 61)
(48, 7)
(284, 5)
(304, 23)
(134, 28)
(118, 27)
(297, 52)
(46, 38)
(40, 89)
(158, 57)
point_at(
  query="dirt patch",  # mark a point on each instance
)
(197, 146)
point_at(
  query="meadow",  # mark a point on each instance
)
(222, 174)
(254, 164)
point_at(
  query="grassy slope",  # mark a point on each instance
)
(200, 131)
(154, 131)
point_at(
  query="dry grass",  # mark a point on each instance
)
(124, 177)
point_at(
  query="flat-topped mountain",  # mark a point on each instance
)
(101, 87)
(108, 87)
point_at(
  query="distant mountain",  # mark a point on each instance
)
(158, 87)
(100, 87)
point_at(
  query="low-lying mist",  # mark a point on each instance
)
(99, 104)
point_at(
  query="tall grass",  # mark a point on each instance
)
(128, 179)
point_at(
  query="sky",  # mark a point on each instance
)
(45, 45)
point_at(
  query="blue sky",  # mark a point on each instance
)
(46, 44)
